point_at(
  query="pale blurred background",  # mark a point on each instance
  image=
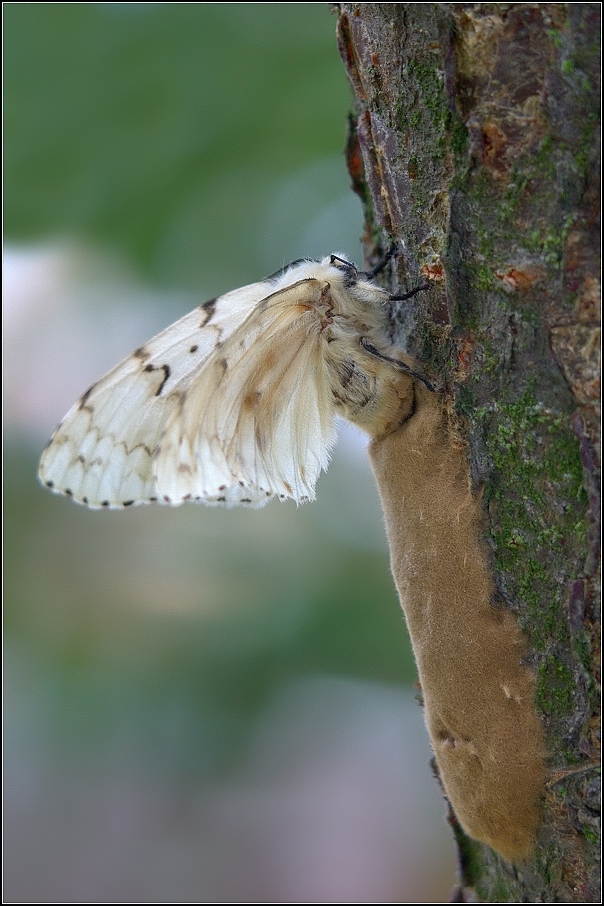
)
(201, 705)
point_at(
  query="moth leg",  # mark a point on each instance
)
(396, 362)
(379, 267)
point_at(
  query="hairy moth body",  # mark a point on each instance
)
(478, 694)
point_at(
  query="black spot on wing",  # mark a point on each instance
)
(141, 353)
(166, 370)
(208, 308)
(84, 397)
(128, 502)
(194, 348)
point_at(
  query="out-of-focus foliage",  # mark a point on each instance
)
(169, 131)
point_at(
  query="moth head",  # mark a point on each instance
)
(365, 279)
(349, 271)
(356, 284)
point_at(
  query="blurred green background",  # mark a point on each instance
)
(172, 674)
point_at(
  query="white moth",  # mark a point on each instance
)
(235, 402)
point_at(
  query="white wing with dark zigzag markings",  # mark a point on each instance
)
(102, 452)
(235, 403)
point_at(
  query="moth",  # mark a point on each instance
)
(235, 402)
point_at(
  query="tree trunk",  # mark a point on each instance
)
(474, 145)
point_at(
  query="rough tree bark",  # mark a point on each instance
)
(474, 144)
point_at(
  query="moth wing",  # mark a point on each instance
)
(258, 420)
(102, 452)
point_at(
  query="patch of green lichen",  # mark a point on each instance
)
(588, 118)
(514, 191)
(582, 647)
(542, 159)
(481, 187)
(534, 173)
(532, 314)
(537, 500)
(486, 243)
(584, 155)
(484, 279)
(533, 176)
(433, 102)
(555, 37)
(548, 862)
(555, 685)
(428, 78)
(537, 505)
(420, 198)
(474, 184)
(487, 358)
(549, 243)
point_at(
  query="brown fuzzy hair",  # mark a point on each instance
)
(478, 695)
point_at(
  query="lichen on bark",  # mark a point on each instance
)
(474, 144)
